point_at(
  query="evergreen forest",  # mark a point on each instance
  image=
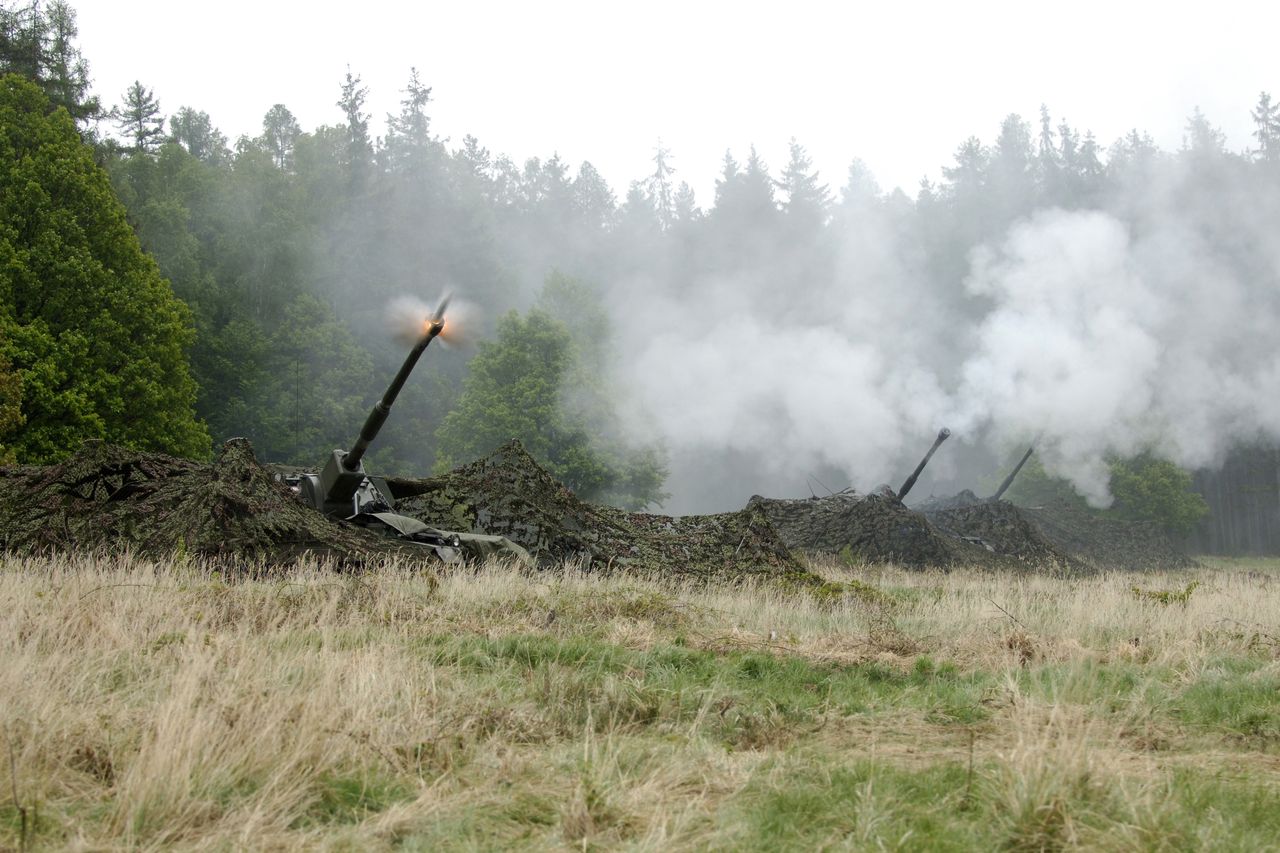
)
(165, 287)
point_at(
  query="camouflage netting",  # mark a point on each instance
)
(108, 498)
(1107, 543)
(999, 527)
(876, 528)
(509, 494)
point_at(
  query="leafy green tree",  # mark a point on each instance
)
(280, 132)
(1147, 488)
(540, 381)
(139, 118)
(93, 330)
(10, 407)
(194, 131)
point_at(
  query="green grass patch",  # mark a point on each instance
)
(743, 697)
(350, 798)
(1237, 696)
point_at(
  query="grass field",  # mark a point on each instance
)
(152, 707)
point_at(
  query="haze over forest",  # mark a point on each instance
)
(795, 331)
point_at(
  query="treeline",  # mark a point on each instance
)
(285, 248)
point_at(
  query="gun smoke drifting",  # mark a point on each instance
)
(1091, 336)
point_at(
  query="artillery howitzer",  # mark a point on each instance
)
(343, 490)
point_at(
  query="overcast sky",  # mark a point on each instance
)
(899, 85)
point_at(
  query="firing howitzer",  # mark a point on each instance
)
(943, 435)
(342, 488)
(1008, 481)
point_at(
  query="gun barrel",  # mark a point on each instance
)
(1008, 481)
(943, 435)
(382, 408)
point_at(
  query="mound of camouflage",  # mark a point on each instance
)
(106, 498)
(1107, 543)
(876, 528)
(1000, 528)
(509, 494)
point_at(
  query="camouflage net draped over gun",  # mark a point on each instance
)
(1108, 543)
(106, 498)
(1062, 535)
(509, 494)
(873, 528)
(1001, 528)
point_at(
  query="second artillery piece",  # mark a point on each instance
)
(344, 490)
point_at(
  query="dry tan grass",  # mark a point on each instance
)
(152, 706)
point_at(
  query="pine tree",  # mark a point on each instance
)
(659, 188)
(807, 201)
(594, 203)
(358, 157)
(687, 209)
(39, 44)
(1266, 119)
(139, 118)
(1201, 137)
(409, 133)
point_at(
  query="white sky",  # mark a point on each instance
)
(899, 85)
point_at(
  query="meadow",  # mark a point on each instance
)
(158, 706)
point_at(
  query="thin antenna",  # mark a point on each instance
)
(824, 485)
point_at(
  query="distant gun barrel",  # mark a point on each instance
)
(943, 435)
(1008, 481)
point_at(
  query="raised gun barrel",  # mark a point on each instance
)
(1008, 481)
(334, 490)
(943, 435)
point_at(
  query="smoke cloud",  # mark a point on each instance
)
(1089, 334)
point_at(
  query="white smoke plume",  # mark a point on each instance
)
(1085, 333)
